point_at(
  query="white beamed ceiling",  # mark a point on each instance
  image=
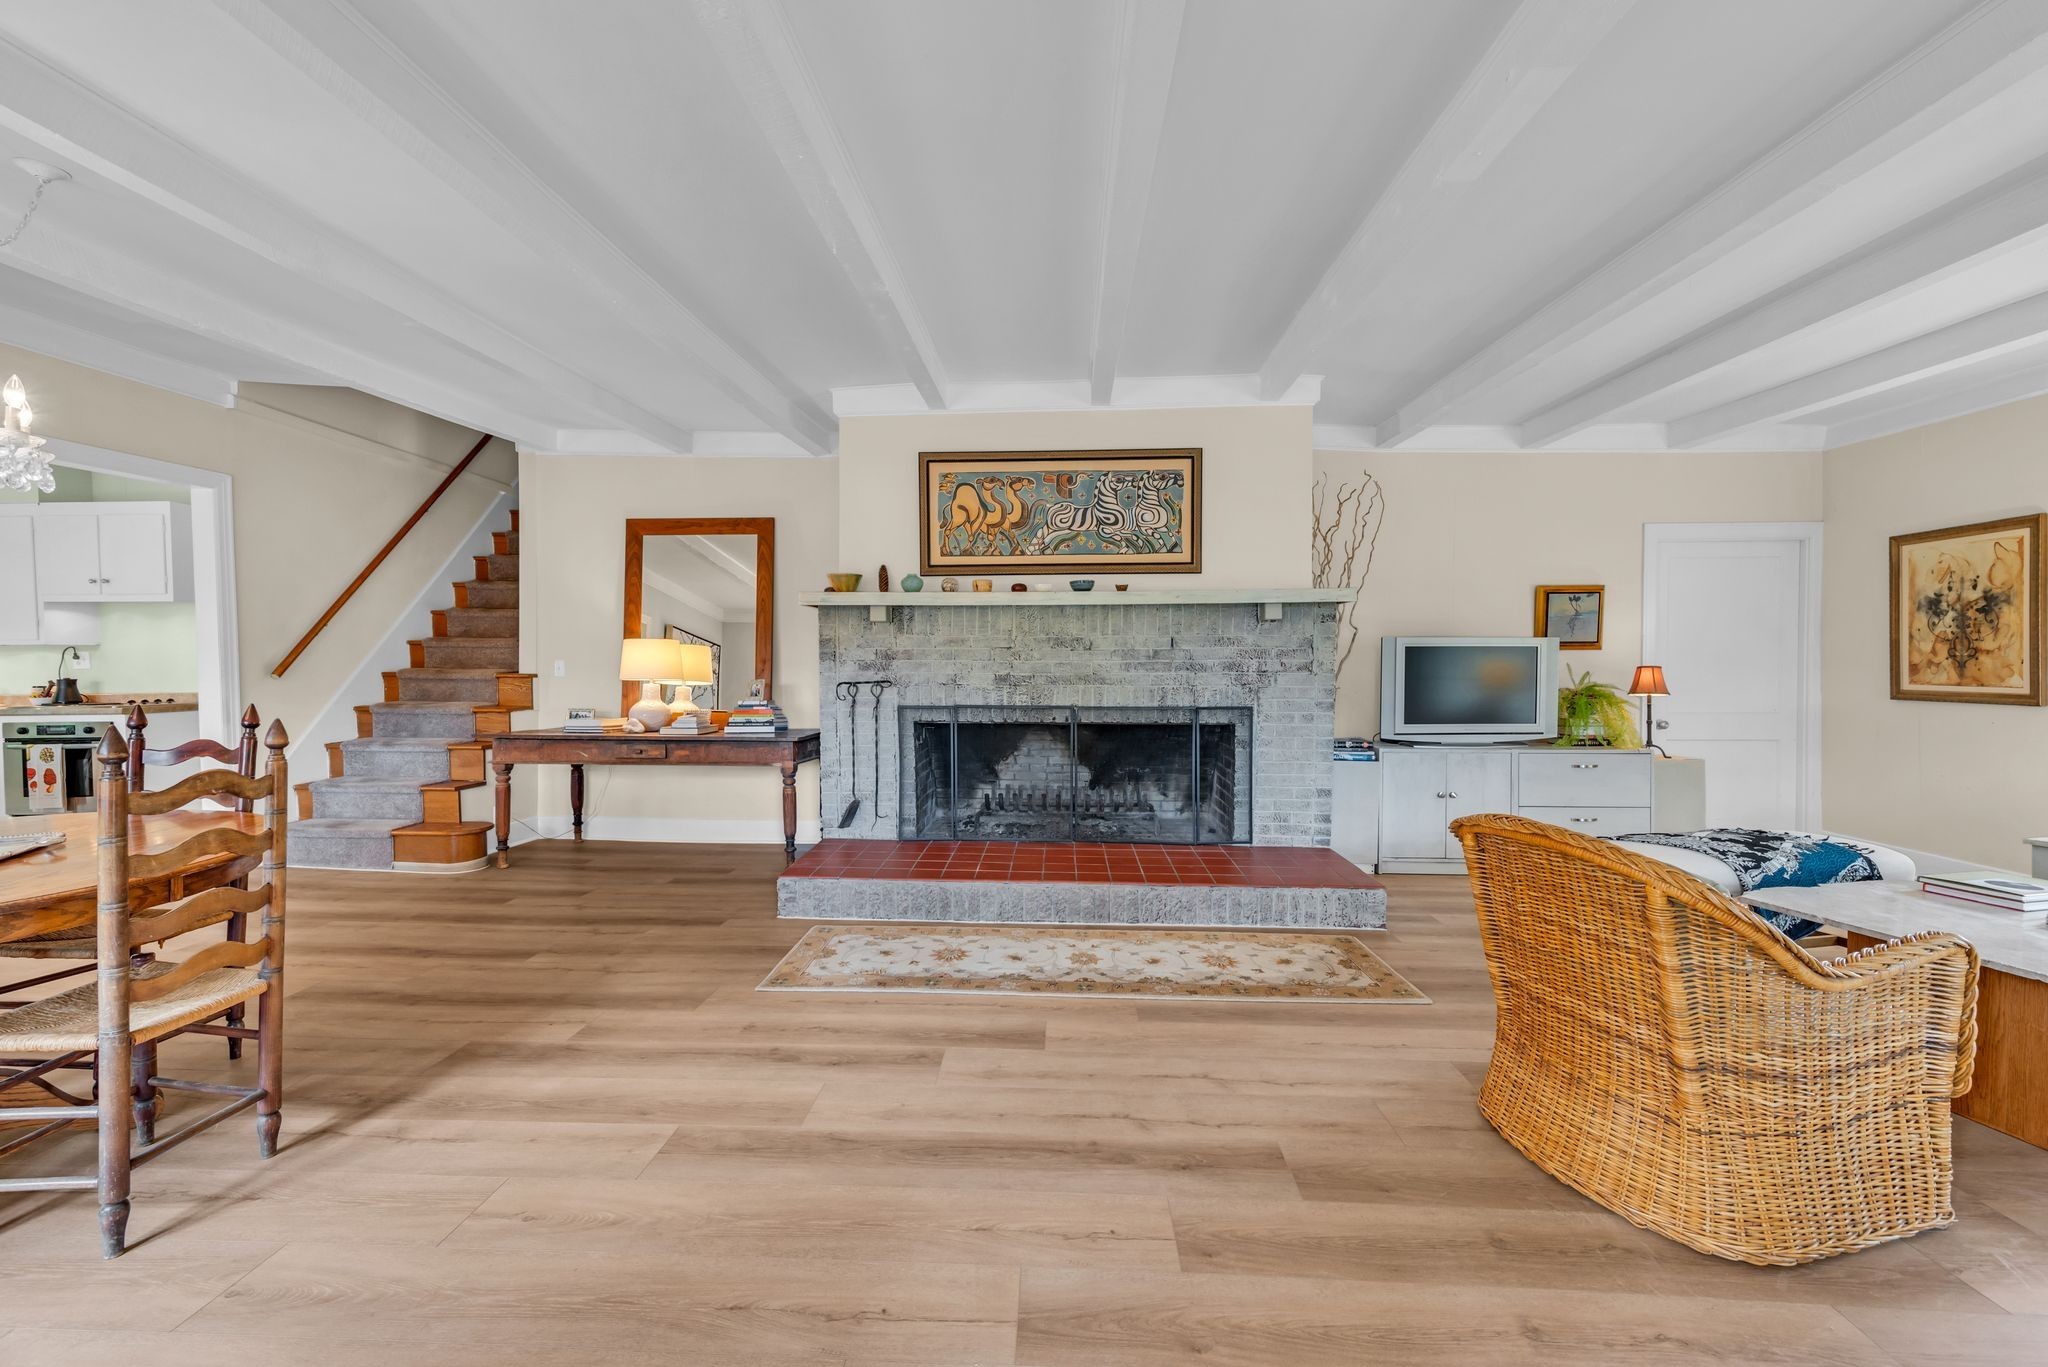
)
(719, 225)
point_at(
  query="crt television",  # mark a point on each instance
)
(1447, 690)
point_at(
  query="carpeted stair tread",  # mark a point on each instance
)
(500, 652)
(475, 684)
(488, 593)
(446, 720)
(492, 622)
(504, 569)
(418, 759)
(342, 842)
(371, 799)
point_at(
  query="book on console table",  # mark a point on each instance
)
(595, 726)
(1989, 888)
(691, 724)
(756, 717)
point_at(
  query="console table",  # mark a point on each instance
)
(783, 751)
(2010, 1089)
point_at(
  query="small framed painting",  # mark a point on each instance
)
(1966, 607)
(1572, 613)
(1033, 512)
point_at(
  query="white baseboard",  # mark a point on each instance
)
(666, 829)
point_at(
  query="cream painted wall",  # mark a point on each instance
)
(573, 512)
(1255, 471)
(313, 501)
(1469, 536)
(1956, 779)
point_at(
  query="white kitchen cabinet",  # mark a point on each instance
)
(1424, 789)
(113, 552)
(25, 619)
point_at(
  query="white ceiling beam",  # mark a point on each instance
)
(48, 336)
(84, 128)
(1954, 403)
(2010, 214)
(344, 54)
(1148, 44)
(760, 53)
(1534, 55)
(2016, 325)
(398, 371)
(1980, 56)
(722, 559)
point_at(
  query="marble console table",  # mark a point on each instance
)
(2010, 1092)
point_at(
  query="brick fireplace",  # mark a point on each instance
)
(1128, 721)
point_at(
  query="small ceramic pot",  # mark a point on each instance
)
(1017, 588)
(1080, 585)
(843, 583)
(948, 584)
(1123, 588)
(911, 583)
(984, 585)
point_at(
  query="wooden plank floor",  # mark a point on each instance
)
(539, 1116)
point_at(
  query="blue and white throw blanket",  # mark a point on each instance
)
(1775, 859)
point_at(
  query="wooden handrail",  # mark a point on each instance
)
(378, 559)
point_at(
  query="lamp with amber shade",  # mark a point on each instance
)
(1648, 685)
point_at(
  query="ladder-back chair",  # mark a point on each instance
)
(80, 945)
(121, 1018)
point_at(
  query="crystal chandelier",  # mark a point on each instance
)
(24, 464)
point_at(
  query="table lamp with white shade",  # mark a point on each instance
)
(695, 672)
(651, 661)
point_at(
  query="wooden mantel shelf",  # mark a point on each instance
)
(1269, 601)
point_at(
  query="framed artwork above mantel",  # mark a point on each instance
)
(1035, 512)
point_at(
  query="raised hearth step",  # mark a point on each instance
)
(422, 759)
(341, 843)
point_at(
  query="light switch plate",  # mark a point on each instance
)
(561, 669)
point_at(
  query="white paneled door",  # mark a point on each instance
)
(1732, 612)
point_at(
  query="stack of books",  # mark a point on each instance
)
(593, 726)
(756, 717)
(690, 724)
(1988, 888)
(1356, 749)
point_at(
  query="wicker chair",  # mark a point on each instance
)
(1662, 1050)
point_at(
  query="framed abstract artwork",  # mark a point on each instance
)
(1966, 608)
(1020, 512)
(1572, 613)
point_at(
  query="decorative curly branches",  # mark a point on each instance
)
(1345, 529)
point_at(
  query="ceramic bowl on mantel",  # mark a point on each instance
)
(843, 583)
(1080, 585)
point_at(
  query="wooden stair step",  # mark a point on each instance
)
(441, 842)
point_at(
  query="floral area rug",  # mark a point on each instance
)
(1065, 962)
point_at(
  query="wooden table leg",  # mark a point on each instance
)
(788, 812)
(504, 772)
(576, 802)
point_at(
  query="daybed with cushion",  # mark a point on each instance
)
(1664, 1051)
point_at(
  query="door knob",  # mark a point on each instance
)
(1450, 794)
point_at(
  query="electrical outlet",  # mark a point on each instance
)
(561, 669)
(83, 659)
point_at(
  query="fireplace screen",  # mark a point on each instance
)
(1162, 775)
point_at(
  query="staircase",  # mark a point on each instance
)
(393, 796)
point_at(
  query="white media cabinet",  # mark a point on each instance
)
(1424, 788)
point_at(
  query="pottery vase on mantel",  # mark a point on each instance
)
(912, 583)
(882, 579)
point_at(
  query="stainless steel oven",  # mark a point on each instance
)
(49, 765)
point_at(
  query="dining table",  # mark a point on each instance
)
(57, 888)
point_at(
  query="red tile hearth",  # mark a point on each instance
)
(1004, 861)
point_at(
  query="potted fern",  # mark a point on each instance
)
(1594, 713)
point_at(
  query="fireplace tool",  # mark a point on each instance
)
(877, 687)
(851, 693)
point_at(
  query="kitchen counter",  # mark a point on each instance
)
(21, 707)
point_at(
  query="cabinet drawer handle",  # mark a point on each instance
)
(1450, 794)
(1443, 794)
(1585, 820)
(1585, 766)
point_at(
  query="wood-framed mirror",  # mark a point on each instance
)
(706, 579)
